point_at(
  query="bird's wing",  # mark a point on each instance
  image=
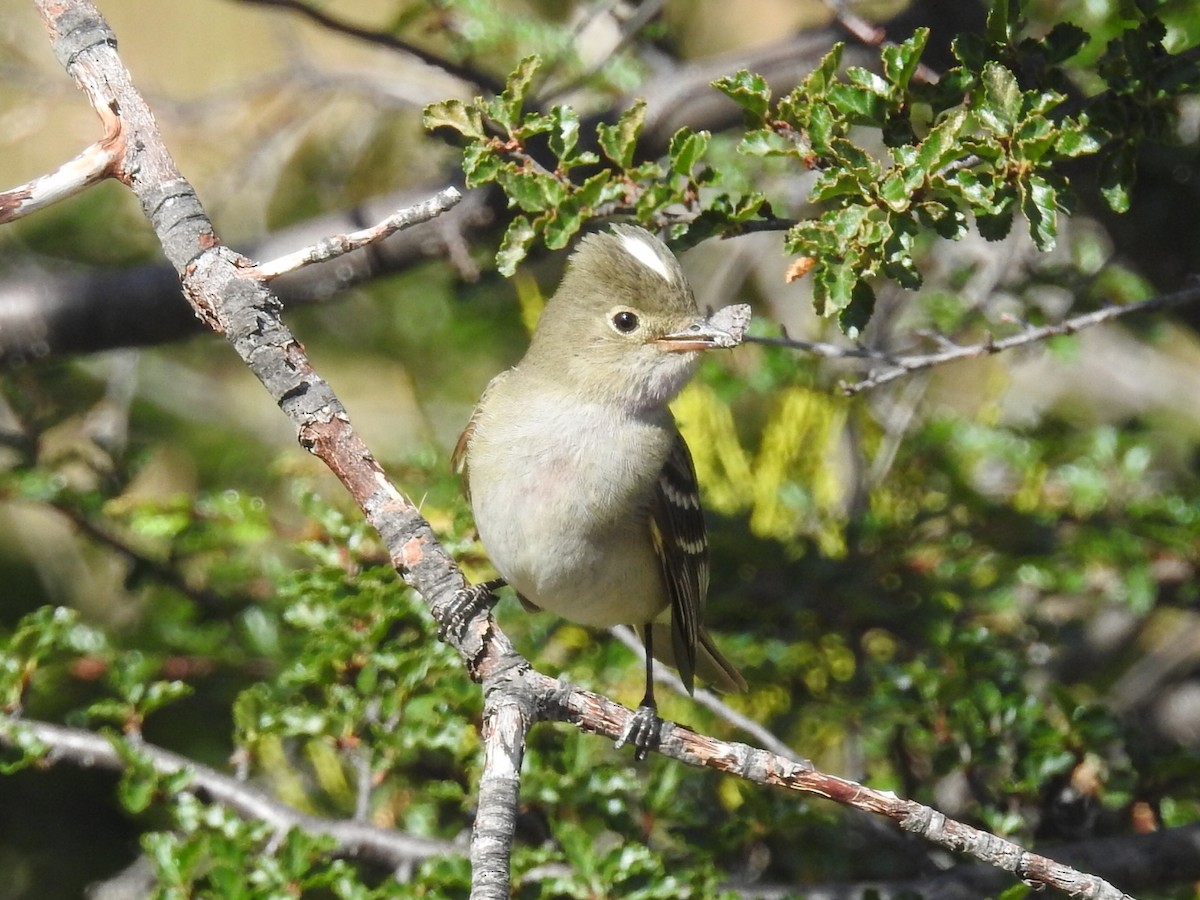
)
(458, 459)
(677, 529)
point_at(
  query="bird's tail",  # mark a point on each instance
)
(711, 667)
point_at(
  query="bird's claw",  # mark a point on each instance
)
(643, 732)
(468, 602)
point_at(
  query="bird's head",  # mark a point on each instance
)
(624, 323)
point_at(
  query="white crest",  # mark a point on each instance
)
(647, 254)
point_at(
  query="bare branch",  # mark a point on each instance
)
(90, 167)
(507, 718)
(359, 840)
(340, 244)
(898, 365)
(597, 714)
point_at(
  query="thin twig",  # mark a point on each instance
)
(478, 80)
(340, 244)
(90, 167)
(903, 365)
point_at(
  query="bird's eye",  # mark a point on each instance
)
(625, 321)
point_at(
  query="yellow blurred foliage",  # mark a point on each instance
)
(798, 441)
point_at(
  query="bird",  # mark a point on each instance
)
(582, 488)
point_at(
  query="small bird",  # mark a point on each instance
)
(583, 490)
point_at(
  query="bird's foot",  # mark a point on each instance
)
(466, 605)
(643, 731)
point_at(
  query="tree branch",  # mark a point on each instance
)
(899, 365)
(473, 78)
(358, 840)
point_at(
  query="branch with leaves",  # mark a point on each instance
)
(897, 365)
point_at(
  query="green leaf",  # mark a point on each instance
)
(821, 129)
(996, 225)
(1004, 21)
(749, 90)
(563, 224)
(1117, 175)
(1077, 139)
(1063, 41)
(825, 75)
(532, 192)
(564, 132)
(515, 245)
(867, 81)
(766, 142)
(900, 61)
(894, 192)
(465, 118)
(942, 144)
(619, 141)
(481, 165)
(1040, 205)
(1001, 102)
(862, 105)
(506, 109)
(857, 313)
(686, 149)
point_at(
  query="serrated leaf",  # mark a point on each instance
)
(868, 81)
(619, 141)
(846, 223)
(945, 218)
(1001, 101)
(821, 129)
(563, 224)
(1077, 139)
(749, 90)
(833, 287)
(686, 149)
(506, 109)
(894, 192)
(900, 61)
(765, 142)
(975, 191)
(598, 189)
(515, 245)
(465, 118)
(530, 191)
(825, 75)
(995, 225)
(1063, 41)
(564, 132)
(1040, 205)
(1003, 21)
(941, 144)
(481, 165)
(863, 105)
(857, 313)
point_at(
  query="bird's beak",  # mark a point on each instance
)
(723, 329)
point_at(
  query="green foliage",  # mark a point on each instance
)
(531, 155)
(983, 143)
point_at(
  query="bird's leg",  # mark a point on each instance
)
(466, 605)
(644, 729)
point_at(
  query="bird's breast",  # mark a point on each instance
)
(562, 498)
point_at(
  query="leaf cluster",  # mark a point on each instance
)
(896, 155)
